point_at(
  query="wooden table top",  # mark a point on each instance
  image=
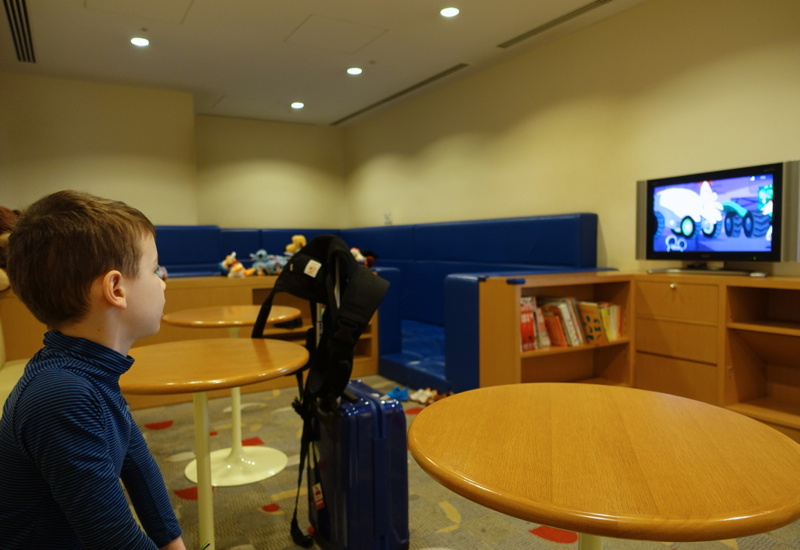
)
(611, 461)
(228, 316)
(211, 364)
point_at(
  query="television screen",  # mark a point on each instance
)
(724, 215)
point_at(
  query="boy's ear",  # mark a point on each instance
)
(113, 289)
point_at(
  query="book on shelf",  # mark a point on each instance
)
(527, 323)
(565, 309)
(611, 314)
(592, 321)
(554, 329)
(542, 336)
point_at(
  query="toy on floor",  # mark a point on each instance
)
(426, 396)
(398, 394)
(8, 218)
(268, 264)
(233, 268)
(298, 242)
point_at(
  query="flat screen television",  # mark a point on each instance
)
(745, 214)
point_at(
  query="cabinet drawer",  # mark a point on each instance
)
(679, 340)
(684, 378)
(679, 301)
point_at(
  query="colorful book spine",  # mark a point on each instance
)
(542, 336)
(527, 324)
(611, 316)
(592, 323)
(554, 329)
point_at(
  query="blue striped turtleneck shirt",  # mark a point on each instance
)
(66, 440)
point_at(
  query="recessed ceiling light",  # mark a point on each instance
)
(449, 12)
(297, 105)
(354, 70)
(140, 42)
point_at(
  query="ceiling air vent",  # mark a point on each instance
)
(17, 14)
(554, 23)
(417, 86)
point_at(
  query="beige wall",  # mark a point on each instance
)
(269, 174)
(667, 88)
(126, 143)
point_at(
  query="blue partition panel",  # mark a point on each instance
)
(189, 250)
(429, 278)
(567, 240)
(389, 331)
(390, 242)
(462, 331)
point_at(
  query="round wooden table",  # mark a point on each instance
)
(611, 461)
(231, 317)
(236, 465)
(194, 367)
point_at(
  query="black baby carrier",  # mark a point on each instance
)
(325, 272)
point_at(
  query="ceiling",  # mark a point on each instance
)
(253, 58)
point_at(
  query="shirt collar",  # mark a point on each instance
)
(107, 359)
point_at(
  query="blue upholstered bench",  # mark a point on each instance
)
(429, 317)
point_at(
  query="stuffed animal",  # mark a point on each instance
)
(161, 271)
(268, 264)
(358, 256)
(233, 268)
(370, 258)
(298, 242)
(8, 218)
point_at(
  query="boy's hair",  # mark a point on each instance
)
(62, 243)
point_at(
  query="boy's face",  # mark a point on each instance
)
(146, 293)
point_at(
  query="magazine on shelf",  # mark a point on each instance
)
(562, 307)
(527, 323)
(592, 323)
(611, 315)
(554, 328)
(542, 336)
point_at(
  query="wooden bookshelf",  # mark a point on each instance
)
(501, 358)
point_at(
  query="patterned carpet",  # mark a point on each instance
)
(257, 516)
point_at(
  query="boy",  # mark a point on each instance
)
(85, 267)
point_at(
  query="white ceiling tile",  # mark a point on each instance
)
(169, 11)
(334, 34)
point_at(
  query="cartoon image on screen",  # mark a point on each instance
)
(732, 214)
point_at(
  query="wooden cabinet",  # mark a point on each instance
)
(727, 340)
(730, 341)
(501, 358)
(677, 336)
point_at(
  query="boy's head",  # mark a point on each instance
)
(63, 242)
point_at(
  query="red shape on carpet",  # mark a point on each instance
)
(213, 434)
(160, 425)
(190, 493)
(555, 535)
(414, 410)
(253, 441)
(271, 507)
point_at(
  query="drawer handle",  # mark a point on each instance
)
(673, 286)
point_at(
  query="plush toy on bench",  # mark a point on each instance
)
(233, 268)
(298, 242)
(268, 264)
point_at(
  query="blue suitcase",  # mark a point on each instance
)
(358, 473)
